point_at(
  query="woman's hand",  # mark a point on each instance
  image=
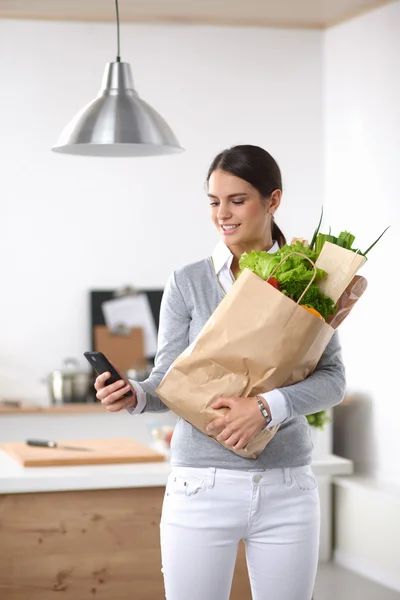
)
(111, 395)
(240, 424)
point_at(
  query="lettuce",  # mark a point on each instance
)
(293, 275)
(295, 268)
(297, 247)
(261, 263)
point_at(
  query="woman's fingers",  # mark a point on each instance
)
(112, 395)
(232, 440)
(114, 391)
(115, 396)
(222, 403)
(100, 381)
(216, 424)
(105, 390)
(241, 444)
(120, 404)
(237, 441)
(227, 433)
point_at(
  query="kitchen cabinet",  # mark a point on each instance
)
(93, 531)
(87, 544)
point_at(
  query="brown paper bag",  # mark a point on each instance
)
(341, 265)
(347, 300)
(256, 340)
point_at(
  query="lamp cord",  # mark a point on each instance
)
(118, 59)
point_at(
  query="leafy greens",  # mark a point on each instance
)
(293, 275)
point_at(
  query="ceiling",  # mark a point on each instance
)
(317, 14)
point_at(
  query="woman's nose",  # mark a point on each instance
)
(224, 212)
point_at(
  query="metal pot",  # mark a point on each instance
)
(139, 372)
(70, 384)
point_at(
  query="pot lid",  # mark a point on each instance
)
(71, 366)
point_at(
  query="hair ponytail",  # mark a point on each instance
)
(277, 234)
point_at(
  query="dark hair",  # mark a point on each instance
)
(256, 166)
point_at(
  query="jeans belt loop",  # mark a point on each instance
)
(211, 477)
(288, 476)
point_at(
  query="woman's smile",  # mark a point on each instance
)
(229, 229)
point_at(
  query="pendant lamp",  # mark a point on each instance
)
(117, 122)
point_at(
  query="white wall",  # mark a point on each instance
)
(70, 224)
(362, 190)
(370, 543)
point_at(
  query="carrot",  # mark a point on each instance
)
(313, 311)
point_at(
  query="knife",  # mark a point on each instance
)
(52, 444)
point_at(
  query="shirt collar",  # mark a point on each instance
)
(222, 256)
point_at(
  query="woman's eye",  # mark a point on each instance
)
(215, 203)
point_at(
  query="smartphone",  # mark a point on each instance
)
(101, 364)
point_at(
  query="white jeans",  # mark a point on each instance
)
(206, 512)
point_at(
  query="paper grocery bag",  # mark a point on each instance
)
(256, 340)
(341, 265)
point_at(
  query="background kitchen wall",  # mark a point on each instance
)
(325, 104)
(70, 224)
(362, 191)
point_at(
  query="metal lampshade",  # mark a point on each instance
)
(117, 122)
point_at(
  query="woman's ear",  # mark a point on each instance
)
(275, 200)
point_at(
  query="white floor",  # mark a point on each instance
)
(335, 583)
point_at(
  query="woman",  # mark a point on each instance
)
(214, 498)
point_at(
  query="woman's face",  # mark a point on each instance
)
(241, 215)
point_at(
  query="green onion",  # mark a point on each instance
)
(321, 239)
(347, 238)
(314, 237)
(376, 241)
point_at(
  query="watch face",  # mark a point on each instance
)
(264, 411)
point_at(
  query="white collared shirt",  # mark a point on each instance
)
(222, 259)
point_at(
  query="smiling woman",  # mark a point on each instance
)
(215, 497)
(245, 190)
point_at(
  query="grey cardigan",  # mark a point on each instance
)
(191, 296)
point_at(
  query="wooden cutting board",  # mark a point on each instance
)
(101, 452)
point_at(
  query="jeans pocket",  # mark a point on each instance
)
(180, 485)
(304, 478)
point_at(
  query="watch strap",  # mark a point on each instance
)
(263, 410)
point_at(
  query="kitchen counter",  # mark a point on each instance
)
(125, 483)
(17, 479)
(26, 408)
(94, 530)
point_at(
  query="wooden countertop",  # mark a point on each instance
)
(25, 408)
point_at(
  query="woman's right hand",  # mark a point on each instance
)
(111, 396)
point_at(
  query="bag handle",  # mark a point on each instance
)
(309, 260)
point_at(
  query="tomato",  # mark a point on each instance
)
(274, 282)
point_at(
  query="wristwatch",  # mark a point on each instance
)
(263, 410)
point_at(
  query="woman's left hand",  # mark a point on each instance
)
(240, 424)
